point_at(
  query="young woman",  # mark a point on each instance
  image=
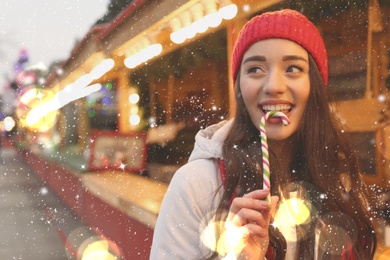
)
(216, 205)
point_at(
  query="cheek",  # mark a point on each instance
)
(248, 92)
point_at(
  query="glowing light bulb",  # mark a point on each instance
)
(9, 123)
(102, 68)
(134, 119)
(213, 19)
(178, 37)
(197, 14)
(134, 98)
(228, 12)
(143, 55)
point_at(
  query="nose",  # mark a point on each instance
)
(274, 83)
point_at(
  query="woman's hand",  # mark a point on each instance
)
(247, 224)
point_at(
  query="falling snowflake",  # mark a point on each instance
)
(44, 191)
(122, 166)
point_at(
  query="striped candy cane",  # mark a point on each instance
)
(264, 147)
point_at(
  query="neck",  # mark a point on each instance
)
(283, 151)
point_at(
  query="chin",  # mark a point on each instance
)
(273, 136)
(276, 139)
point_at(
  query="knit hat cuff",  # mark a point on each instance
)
(285, 24)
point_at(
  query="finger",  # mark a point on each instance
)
(245, 216)
(246, 203)
(257, 194)
(250, 203)
(269, 214)
(253, 200)
(256, 230)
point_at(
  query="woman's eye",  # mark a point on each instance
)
(294, 69)
(255, 70)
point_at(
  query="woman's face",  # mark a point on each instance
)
(274, 75)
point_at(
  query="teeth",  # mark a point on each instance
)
(280, 107)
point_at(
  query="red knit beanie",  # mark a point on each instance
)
(286, 24)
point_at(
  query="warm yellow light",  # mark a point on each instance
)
(37, 114)
(213, 20)
(191, 22)
(41, 112)
(102, 68)
(134, 110)
(98, 250)
(28, 96)
(188, 30)
(81, 82)
(178, 27)
(199, 23)
(246, 8)
(212, 17)
(227, 9)
(134, 119)
(185, 19)
(143, 56)
(230, 242)
(292, 212)
(200, 17)
(178, 36)
(133, 98)
(9, 123)
(383, 255)
(175, 24)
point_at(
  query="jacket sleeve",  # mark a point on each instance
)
(185, 213)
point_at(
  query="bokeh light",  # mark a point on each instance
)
(98, 249)
(292, 212)
(229, 242)
(134, 119)
(9, 123)
(88, 244)
(133, 98)
(32, 111)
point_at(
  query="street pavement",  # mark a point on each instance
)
(34, 223)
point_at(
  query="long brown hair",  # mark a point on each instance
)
(321, 155)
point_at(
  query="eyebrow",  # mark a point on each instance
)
(285, 58)
(293, 57)
(254, 58)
